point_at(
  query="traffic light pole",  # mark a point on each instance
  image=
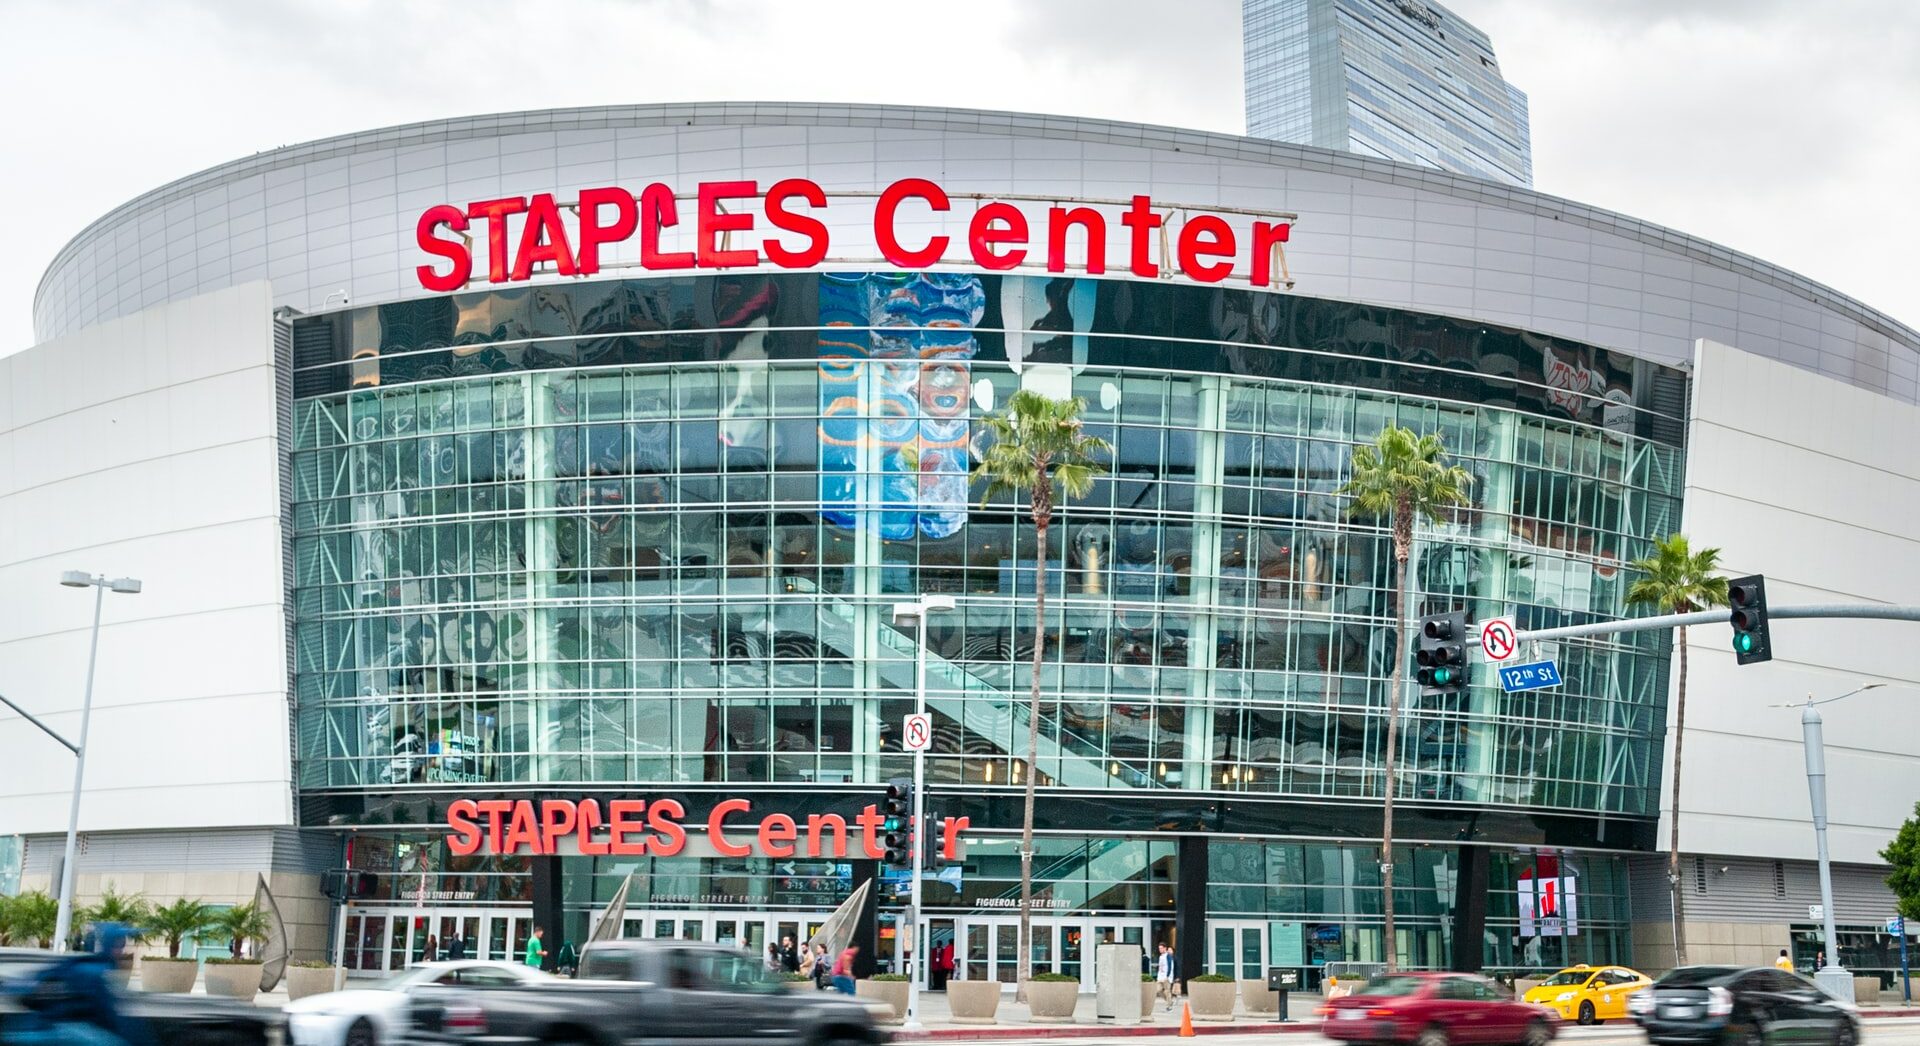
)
(916, 948)
(1875, 611)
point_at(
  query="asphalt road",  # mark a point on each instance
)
(1895, 1032)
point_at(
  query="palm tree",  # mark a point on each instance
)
(1038, 446)
(32, 917)
(132, 911)
(1677, 580)
(183, 920)
(241, 924)
(1400, 476)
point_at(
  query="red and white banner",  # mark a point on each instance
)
(1549, 907)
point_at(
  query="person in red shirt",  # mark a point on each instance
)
(843, 969)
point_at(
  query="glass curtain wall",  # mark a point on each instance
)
(651, 531)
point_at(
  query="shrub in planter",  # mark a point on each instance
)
(890, 988)
(160, 974)
(1052, 997)
(182, 920)
(1212, 996)
(233, 978)
(1149, 994)
(974, 1002)
(310, 977)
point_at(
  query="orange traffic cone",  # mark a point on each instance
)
(1186, 1020)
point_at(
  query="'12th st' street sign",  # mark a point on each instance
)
(1536, 675)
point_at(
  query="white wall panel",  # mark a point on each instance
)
(147, 446)
(1813, 483)
(340, 214)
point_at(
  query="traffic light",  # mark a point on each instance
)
(1748, 598)
(896, 820)
(1441, 656)
(935, 857)
(343, 884)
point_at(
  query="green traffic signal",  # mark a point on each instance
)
(1743, 642)
(1442, 676)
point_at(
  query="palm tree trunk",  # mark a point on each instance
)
(1673, 841)
(1400, 556)
(1025, 965)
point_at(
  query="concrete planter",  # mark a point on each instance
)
(1866, 989)
(1149, 994)
(1053, 1002)
(1258, 1000)
(974, 1002)
(893, 993)
(234, 980)
(1212, 1000)
(168, 975)
(303, 981)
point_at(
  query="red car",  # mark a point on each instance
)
(1438, 1009)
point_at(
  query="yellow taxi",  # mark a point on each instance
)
(1589, 993)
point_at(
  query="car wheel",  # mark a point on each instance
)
(360, 1033)
(1843, 1035)
(1586, 1013)
(1747, 1036)
(1431, 1037)
(1537, 1034)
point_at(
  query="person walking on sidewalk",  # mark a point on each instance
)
(1784, 962)
(1164, 975)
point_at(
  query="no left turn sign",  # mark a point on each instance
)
(1499, 640)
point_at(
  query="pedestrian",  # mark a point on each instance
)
(1164, 975)
(822, 967)
(774, 961)
(843, 969)
(789, 955)
(457, 948)
(1784, 962)
(536, 949)
(431, 951)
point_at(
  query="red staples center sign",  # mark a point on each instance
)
(737, 224)
(640, 827)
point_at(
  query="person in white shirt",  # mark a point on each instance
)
(1164, 975)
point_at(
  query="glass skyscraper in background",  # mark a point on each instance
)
(1398, 79)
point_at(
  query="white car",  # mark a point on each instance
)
(377, 1014)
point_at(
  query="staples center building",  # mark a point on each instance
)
(523, 503)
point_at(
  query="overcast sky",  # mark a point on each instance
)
(1781, 128)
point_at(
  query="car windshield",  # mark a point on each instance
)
(397, 981)
(1566, 978)
(1694, 976)
(1393, 986)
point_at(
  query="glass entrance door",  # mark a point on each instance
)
(1237, 948)
(987, 948)
(382, 940)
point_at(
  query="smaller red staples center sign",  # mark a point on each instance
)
(738, 224)
(657, 827)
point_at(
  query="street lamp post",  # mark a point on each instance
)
(921, 613)
(101, 585)
(1834, 978)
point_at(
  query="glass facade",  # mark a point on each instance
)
(1400, 79)
(651, 531)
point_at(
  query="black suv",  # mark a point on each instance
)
(1741, 1006)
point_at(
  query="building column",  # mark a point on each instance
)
(1190, 906)
(549, 910)
(1469, 909)
(1203, 643)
